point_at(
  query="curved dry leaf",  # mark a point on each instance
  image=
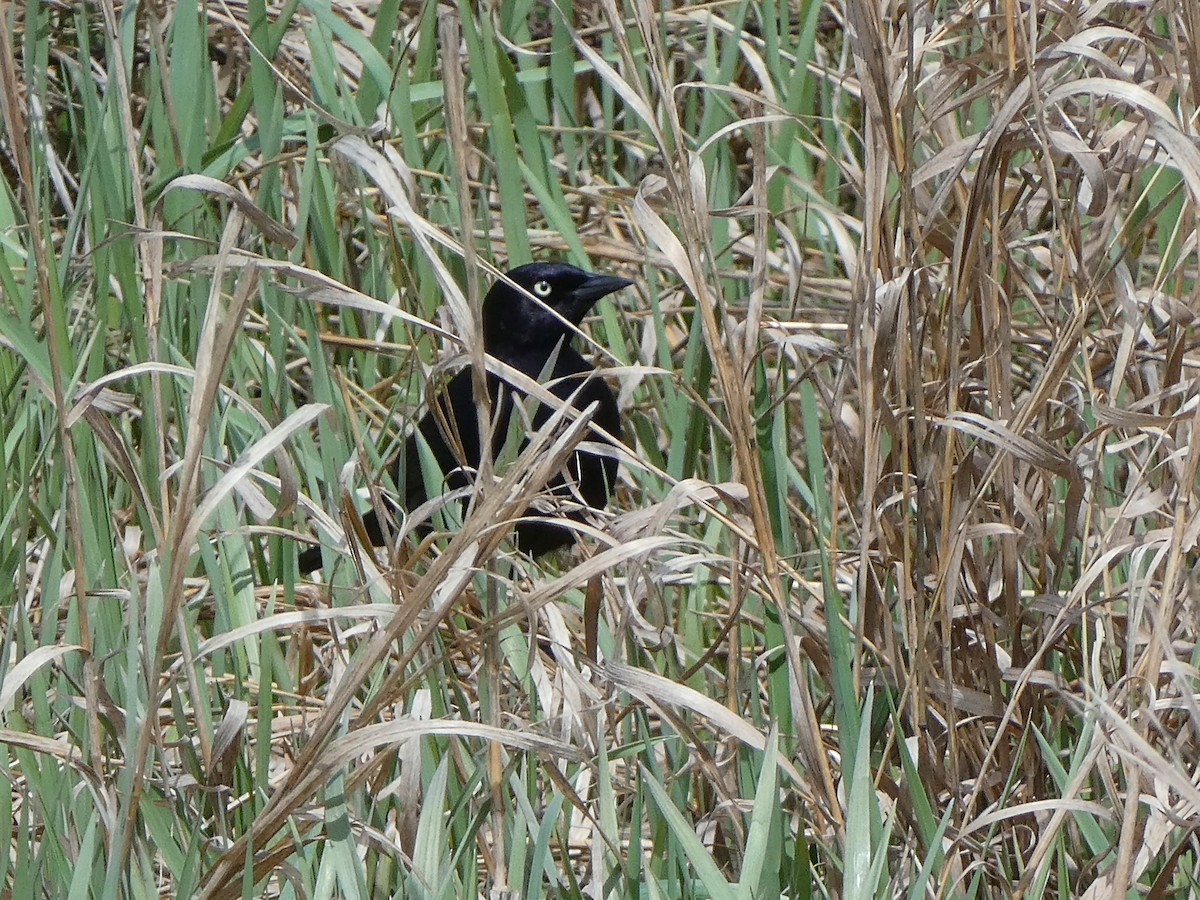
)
(794, 338)
(990, 529)
(385, 171)
(87, 393)
(738, 126)
(1081, 46)
(1032, 449)
(1102, 564)
(1144, 501)
(370, 738)
(1138, 752)
(660, 235)
(1182, 151)
(1093, 195)
(254, 454)
(272, 229)
(289, 621)
(990, 818)
(20, 673)
(653, 519)
(1107, 414)
(595, 565)
(226, 741)
(68, 753)
(652, 688)
(953, 157)
(627, 92)
(1131, 94)
(320, 288)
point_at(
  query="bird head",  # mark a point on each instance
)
(546, 298)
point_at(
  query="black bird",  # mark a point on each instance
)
(526, 333)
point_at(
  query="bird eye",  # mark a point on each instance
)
(542, 289)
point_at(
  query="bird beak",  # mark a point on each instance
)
(598, 286)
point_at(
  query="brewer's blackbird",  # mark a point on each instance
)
(524, 326)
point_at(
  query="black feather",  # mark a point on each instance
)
(526, 334)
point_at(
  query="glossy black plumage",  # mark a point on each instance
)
(525, 334)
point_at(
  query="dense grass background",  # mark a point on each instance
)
(898, 597)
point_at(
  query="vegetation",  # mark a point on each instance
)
(898, 594)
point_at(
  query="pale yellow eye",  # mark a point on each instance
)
(542, 289)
